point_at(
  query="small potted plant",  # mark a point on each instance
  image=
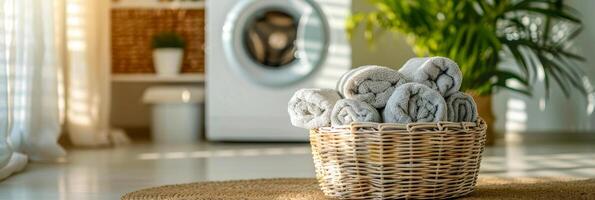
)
(168, 51)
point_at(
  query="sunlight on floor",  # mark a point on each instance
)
(517, 163)
(225, 153)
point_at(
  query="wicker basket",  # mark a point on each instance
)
(398, 161)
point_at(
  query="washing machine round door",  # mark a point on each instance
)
(275, 42)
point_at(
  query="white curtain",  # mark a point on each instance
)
(87, 73)
(30, 111)
(54, 68)
(10, 161)
(5, 148)
(34, 69)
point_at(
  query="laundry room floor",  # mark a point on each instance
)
(111, 172)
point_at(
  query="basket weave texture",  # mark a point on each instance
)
(398, 161)
(132, 32)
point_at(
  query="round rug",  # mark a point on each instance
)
(307, 189)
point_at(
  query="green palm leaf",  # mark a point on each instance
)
(475, 33)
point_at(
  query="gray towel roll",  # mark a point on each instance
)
(415, 102)
(438, 73)
(347, 111)
(461, 108)
(311, 108)
(341, 81)
(371, 84)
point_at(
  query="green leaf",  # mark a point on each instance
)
(553, 13)
(521, 91)
(520, 60)
(168, 40)
(471, 32)
(505, 75)
(353, 22)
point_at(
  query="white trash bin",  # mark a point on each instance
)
(177, 113)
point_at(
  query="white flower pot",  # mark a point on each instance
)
(168, 61)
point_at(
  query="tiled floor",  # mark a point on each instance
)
(109, 173)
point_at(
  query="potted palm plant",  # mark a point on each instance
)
(168, 51)
(480, 34)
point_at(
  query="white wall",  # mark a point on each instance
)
(586, 43)
(558, 114)
(389, 50)
(537, 114)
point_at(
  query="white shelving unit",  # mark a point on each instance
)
(152, 78)
(155, 4)
(126, 91)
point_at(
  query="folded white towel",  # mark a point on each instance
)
(461, 108)
(347, 111)
(438, 73)
(371, 84)
(311, 108)
(415, 102)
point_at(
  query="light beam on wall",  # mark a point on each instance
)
(590, 95)
(338, 59)
(516, 116)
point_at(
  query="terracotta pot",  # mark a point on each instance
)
(484, 108)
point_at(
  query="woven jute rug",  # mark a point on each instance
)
(307, 189)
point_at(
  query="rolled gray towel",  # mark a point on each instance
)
(344, 77)
(347, 111)
(438, 73)
(311, 108)
(371, 84)
(461, 108)
(415, 102)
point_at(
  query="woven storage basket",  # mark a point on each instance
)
(398, 161)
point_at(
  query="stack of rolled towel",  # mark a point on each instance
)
(423, 90)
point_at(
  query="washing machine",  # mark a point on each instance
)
(259, 52)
